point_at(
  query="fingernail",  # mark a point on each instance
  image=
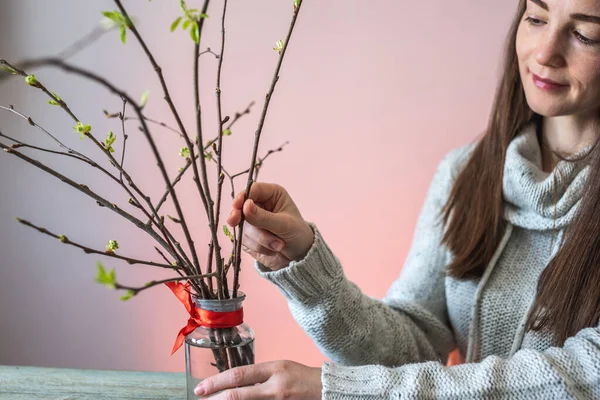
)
(199, 390)
(276, 245)
(253, 208)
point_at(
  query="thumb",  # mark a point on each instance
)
(262, 218)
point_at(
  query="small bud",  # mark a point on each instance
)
(184, 152)
(112, 246)
(174, 219)
(32, 81)
(82, 129)
(129, 294)
(278, 46)
(62, 238)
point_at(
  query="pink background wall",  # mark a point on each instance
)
(371, 96)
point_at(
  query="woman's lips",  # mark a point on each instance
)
(546, 83)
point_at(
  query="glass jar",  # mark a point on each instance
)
(223, 341)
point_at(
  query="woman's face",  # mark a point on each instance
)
(559, 40)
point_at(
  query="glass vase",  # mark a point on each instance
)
(222, 342)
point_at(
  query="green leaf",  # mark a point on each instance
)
(184, 8)
(53, 102)
(278, 46)
(123, 34)
(31, 80)
(110, 138)
(112, 246)
(8, 69)
(112, 15)
(227, 233)
(128, 295)
(108, 279)
(296, 3)
(82, 129)
(202, 15)
(175, 24)
(184, 152)
(108, 142)
(208, 155)
(144, 99)
(227, 132)
(195, 32)
(186, 24)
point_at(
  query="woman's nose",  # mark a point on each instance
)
(550, 50)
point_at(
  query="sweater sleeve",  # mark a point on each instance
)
(409, 325)
(568, 372)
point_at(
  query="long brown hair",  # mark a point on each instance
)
(568, 291)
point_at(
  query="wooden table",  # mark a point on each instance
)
(20, 383)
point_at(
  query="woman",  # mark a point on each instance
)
(505, 261)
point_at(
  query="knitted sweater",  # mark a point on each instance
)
(397, 347)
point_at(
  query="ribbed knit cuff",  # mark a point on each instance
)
(312, 277)
(352, 382)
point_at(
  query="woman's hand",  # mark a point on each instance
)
(276, 380)
(271, 218)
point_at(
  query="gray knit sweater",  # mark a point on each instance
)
(397, 347)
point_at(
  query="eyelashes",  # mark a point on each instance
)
(586, 41)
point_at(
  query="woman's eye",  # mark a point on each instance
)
(588, 42)
(534, 21)
(585, 40)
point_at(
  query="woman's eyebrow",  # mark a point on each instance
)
(577, 16)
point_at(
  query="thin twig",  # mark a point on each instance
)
(150, 284)
(157, 68)
(86, 190)
(208, 50)
(87, 250)
(237, 266)
(70, 152)
(219, 156)
(188, 163)
(68, 52)
(209, 203)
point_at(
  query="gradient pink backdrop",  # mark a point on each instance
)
(371, 96)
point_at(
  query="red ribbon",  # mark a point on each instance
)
(200, 317)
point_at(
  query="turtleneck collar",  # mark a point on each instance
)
(535, 199)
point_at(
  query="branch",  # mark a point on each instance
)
(86, 190)
(88, 250)
(207, 200)
(117, 115)
(169, 101)
(208, 50)
(112, 160)
(95, 78)
(68, 52)
(70, 152)
(136, 290)
(218, 154)
(236, 270)
(185, 168)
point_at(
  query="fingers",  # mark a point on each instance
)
(235, 377)
(243, 393)
(253, 248)
(264, 219)
(260, 192)
(261, 239)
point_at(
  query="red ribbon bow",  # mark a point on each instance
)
(200, 317)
